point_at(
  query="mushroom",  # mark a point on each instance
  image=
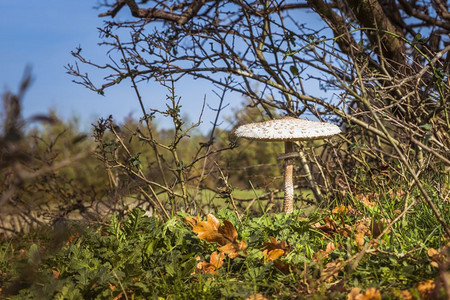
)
(287, 130)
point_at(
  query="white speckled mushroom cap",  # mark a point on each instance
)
(287, 129)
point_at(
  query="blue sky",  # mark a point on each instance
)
(41, 34)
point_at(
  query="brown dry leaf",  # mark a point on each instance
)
(340, 210)
(399, 193)
(359, 239)
(366, 199)
(331, 270)
(256, 297)
(323, 254)
(72, 238)
(191, 221)
(405, 295)
(55, 273)
(353, 293)
(215, 262)
(330, 247)
(271, 255)
(112, 287)
(212, 231)
(233, 249)
(436, 257)
(274, 250)
(229, 232)
(363, 225)
(119, 296)
(209, 230)
(426, 288)
(328, 228)
(21, 254)
(370, 294)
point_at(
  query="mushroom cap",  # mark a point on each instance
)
(287, 129)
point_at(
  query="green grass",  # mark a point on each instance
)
(141, 257)
(256, 199)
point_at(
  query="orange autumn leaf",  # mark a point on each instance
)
(215, 262)
(229, 232)
(233, 249)
(191, 221)
(426, 288)
(331, 270)
(405, 295)
(370, 294)
(212, 231)
(272, 254)
(274, 250)
(367, 200)
(340, 210)
(329, 226)
(55, 273)
(359, 239)
(353, 293)
(256, 297)
(323, 254)
(209, 230)
(119, 296)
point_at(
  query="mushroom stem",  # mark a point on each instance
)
(288, 205)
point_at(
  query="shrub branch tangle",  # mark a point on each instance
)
(385, 63)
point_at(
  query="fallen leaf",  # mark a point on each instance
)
(376, 227)
(271, 255)
(323, 254)
(191, 221)
(274, 249)
(55, 273)
(119, 296)
(366, 199)
(215, 262)
(331, 270)
(359, 239)
(229, 232)
(233, 249)
(353, 293)
(212, 231)
(256, 297)
(328, 228)
(209, 230)
(370, 294)
(405, 295)
(426, 288)
(340, 210)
